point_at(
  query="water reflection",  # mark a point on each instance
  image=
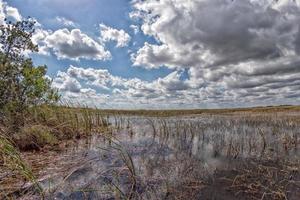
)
(144, 157)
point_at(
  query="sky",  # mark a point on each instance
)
(167, 54)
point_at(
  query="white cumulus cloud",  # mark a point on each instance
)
(75, 45)
(110, 34)
(7, 11)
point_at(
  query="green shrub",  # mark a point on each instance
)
(21, 83)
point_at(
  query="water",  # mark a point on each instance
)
(149, 158)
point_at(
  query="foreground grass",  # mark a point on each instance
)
(45, 126)
(48, 125)
(11, 160)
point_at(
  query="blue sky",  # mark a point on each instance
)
(169, 53)
(88, 14)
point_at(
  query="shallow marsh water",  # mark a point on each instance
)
(155, 158)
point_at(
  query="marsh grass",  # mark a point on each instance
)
(47, 125)
(260, 147)
(263, 149)
(183, 112)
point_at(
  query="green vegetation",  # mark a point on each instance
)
(22, 84)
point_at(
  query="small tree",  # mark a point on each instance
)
(21, 83)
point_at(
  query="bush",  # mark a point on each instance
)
(21, 83)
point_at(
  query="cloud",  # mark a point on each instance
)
(14, 13)
(75, 45)
(217, 31)
(110, 34)
(135, 29)
(73, 92)
(96, 77)
(66, 44)
(2, 12)
(65, 22)
(7, 11)
(172, 82)
(76, 80)
(38, 38)
(174, 90)
(154, 56)
(233, 51)
(64, 83)
(69, 44)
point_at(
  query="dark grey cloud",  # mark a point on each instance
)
(232, 31)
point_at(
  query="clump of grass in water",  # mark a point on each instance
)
(127, 159)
